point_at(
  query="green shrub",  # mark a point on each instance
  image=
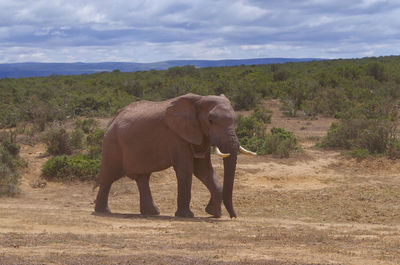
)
(251, 132)
(278, 142)
(281, 75)
(244, 98)
(377, 71)
(370, 134)
(58, 142)
(393, 149)
(67, 168)
(77, 139)
(262, 114)
(12, 147)
(9, 164)
(371, 126)
(255, 124)
(9, 180)
(94, 142)
(86, 125)
(359, 153)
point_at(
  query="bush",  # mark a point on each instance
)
(94, 143)
(244, 98)
(278, 142)
(58, 142)
(377, 71)
(86, 125)
(393, 149)
(251, 132)
(262, 114)
(9, 180)
(371, 127)
(11, 147)
(359, 153)
(370, 134)
(67, 168)
(9, 164)
(77, 139)
(255, 124)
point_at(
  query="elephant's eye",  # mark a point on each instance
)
(210, 121)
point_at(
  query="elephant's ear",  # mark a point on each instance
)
(181, 117)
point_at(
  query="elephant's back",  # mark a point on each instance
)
(140, 111)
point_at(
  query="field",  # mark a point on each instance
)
(316, 207)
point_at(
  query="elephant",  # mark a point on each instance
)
(147, 136)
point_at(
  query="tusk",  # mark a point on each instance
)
(219, 153)
(246, 152)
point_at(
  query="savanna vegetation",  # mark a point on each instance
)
(75, 155)
(328, 87)
(10, 162)
(362, 93)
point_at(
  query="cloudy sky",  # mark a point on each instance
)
(150, 31)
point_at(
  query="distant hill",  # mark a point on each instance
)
(16, 70)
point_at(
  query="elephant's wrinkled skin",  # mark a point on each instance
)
(151, 136)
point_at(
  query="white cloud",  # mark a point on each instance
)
(90, 14)
(151, 30)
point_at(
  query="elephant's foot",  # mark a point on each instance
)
(184, 213)
(150, 210)
(214, 210)
(99, 209)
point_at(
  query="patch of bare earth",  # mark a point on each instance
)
(315, 207)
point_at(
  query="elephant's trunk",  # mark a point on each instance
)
(229, 177)
(229, 173)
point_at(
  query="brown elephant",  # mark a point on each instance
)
(150, 136)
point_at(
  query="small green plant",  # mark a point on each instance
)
(12, 147)
(77, 139)
(393, 149)
(86, 125)
(262, 114)
(366, 128)
(68, 168)
(360, 133)
(9, 181)
(251, 132)
(82, 165)
(359, 153)
(58, 142)
(255, 124)
(94, 143)
(280, 142)
(9, 164)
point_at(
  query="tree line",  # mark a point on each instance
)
(320, 87)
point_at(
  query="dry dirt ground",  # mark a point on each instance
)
(316, 207)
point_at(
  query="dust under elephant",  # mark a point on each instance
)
(145, 137)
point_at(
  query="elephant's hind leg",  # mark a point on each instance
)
(106, 179)
(102, 198)
(147, 205)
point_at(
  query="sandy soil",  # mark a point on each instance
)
(316, 207)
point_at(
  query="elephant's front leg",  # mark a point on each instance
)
(184, 172)
(204, 171)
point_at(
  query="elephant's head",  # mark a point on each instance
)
(205, 121)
